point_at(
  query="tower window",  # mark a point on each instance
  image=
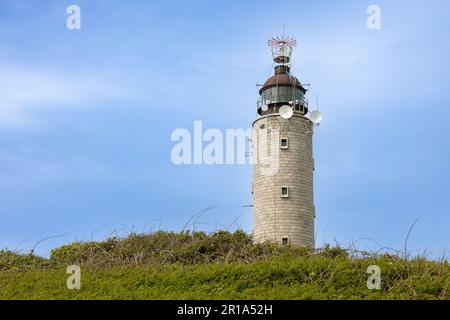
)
(284, 241)
(284, 143)
(284, 192)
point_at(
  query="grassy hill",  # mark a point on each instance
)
(221, 265)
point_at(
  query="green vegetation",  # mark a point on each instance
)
(222, 265)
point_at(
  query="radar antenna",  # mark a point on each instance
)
(282, 48)
(316, 116)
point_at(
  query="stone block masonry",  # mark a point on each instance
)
(278, 217)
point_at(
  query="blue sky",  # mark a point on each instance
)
(86, 116)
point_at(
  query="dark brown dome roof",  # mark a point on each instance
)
(282, 78)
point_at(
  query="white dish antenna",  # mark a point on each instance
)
(286, 112)
(264, 107)
(316, 117)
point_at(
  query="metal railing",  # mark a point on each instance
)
(299, 101)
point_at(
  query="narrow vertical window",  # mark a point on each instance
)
(284, 192)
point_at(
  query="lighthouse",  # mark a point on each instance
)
(283, 163)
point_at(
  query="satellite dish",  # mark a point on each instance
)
(316, 117)
(286, 112)
(264, 107)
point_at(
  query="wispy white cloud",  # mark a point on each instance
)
(26, 90)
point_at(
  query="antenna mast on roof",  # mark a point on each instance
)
(282, 48)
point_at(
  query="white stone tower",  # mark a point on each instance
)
(283, 205)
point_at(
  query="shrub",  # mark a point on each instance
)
(221, 265)
(11, 261)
